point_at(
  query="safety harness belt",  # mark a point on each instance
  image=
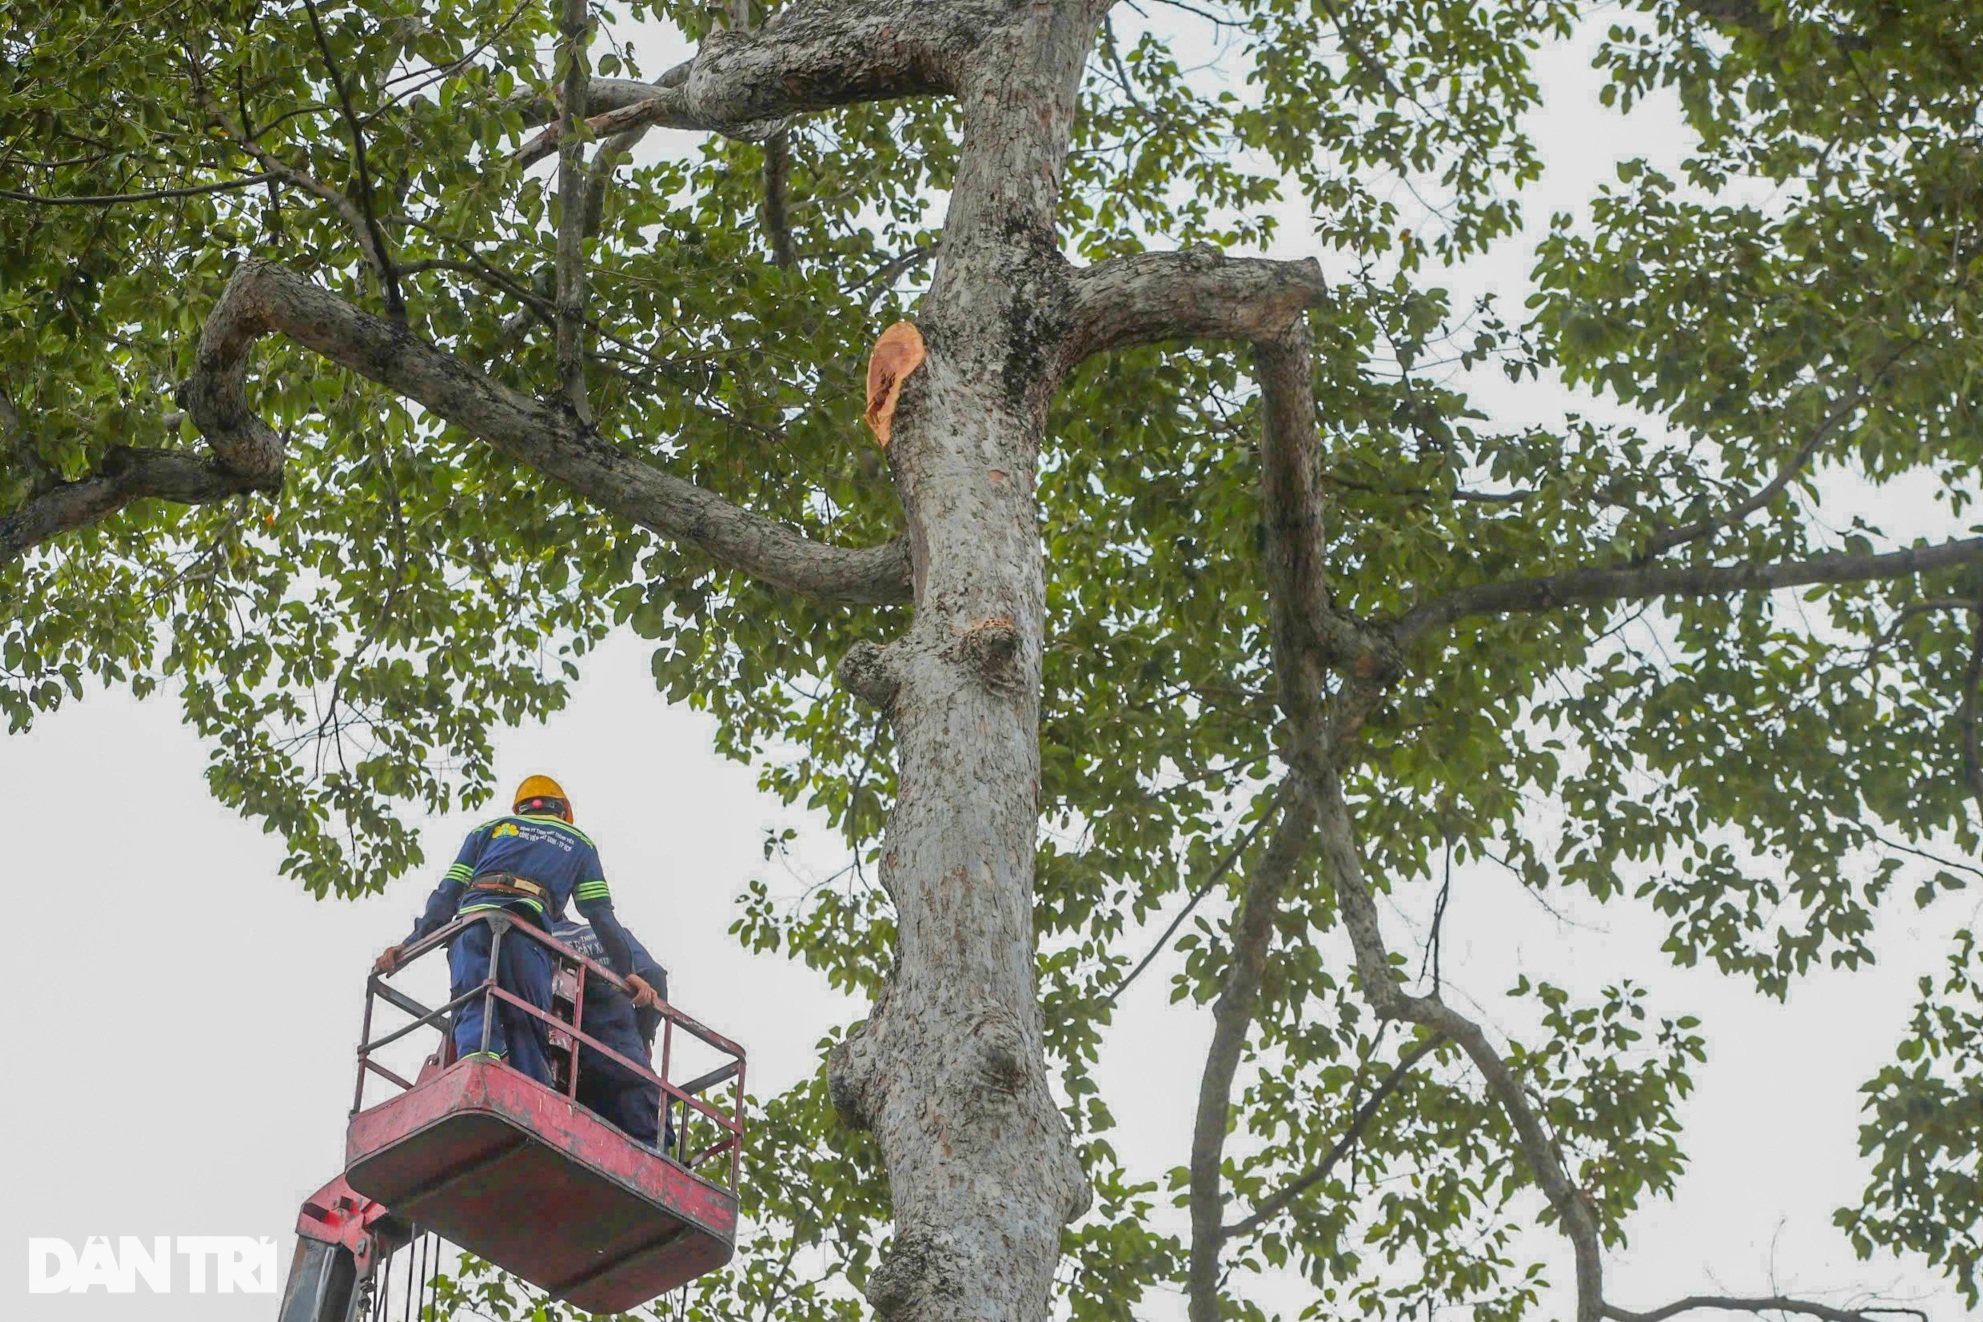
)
(504, 883)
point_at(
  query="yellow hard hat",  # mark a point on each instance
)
(542, 787)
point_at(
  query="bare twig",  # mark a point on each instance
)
(148, 195)
(1842, 408)
(1212, 879)
(1285, 1196)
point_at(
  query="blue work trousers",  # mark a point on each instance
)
(524, 971)
(619, 1096)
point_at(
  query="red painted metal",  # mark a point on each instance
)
(527, 1178)
(524, 1176)
(338, 1214)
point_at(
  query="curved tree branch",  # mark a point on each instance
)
(1772, 1304)
(262, 298)
(1343, 863)
(812, 55)
(1598, 587)
(1292, 516)
(1232, 1019)
(1195, 293)
(125, 475)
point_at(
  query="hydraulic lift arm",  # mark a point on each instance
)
(341, 1238)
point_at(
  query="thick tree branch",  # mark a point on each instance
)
(1311, 635)
(777, 167)
(263, 297)
(1287, 1194)
(813, 55)
(1588, 587)
(574, 22)
(1197, 293)
(602, 96)
(777, 172)
(1771, 1304)
(124, 476)
(1303, 652)
(612, 153)
(1292, 515)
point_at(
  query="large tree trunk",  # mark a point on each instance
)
(950, 1070)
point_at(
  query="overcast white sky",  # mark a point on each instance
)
(185, 1064)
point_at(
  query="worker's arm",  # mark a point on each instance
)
(441, 904)
(594, 900)
(613, 938)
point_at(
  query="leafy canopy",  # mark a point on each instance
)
(1798, 297)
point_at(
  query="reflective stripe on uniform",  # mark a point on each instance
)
(479, 908)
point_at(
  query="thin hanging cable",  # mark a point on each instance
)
(406, 1313)
(383, 1294)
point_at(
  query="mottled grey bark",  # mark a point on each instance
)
(950, 1069)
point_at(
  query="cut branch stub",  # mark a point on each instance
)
(897, 353)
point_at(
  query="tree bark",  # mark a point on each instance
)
(950, 1069)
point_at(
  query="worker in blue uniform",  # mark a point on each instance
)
(529, 865)
(609, 1089)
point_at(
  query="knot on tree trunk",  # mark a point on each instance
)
(850, 1075)
(919, 1276)
(989, 648)
(1000, 1039)
(868, 672)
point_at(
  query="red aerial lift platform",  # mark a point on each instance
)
(532, 1181)
(520, 1173)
